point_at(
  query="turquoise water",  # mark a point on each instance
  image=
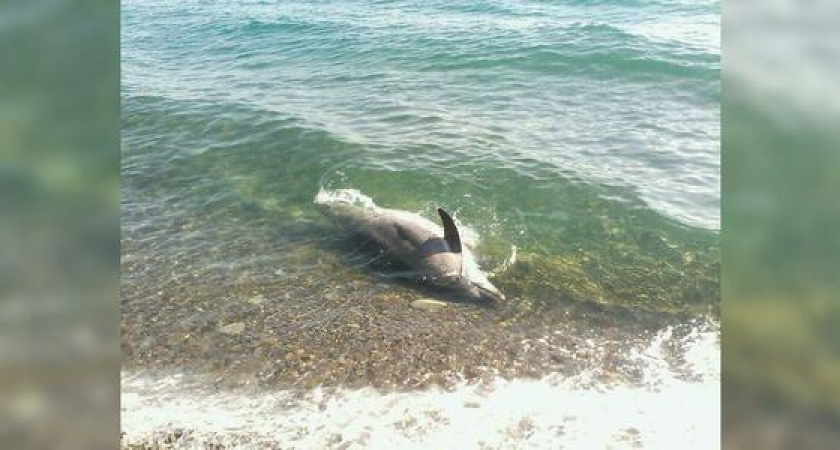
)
(578, 141)
(620, 95)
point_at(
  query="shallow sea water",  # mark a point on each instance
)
(578, 143)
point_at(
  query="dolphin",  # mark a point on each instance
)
(435, 254)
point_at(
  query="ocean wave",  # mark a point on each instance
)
(553, 411)
(594, 49)
(445, 37)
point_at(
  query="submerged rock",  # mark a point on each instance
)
(428, 304)
(233, 328)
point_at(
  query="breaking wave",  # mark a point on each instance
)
(673, 407)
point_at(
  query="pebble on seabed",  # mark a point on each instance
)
(233, 328)
(428, 304)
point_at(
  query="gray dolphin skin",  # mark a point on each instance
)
(435, 254)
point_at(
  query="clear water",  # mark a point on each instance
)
(578, 141)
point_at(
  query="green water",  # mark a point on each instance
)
(578, 142)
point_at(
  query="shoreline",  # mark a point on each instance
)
(183, 412)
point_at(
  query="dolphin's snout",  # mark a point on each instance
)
(490, 293)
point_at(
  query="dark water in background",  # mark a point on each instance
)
(578, 141)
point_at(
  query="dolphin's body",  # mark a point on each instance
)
(435, 254)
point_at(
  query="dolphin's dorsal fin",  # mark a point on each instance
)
(450, 231)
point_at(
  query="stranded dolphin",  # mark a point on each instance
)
(436, 255)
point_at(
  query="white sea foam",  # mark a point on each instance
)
(665, 412)
(352, 197)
